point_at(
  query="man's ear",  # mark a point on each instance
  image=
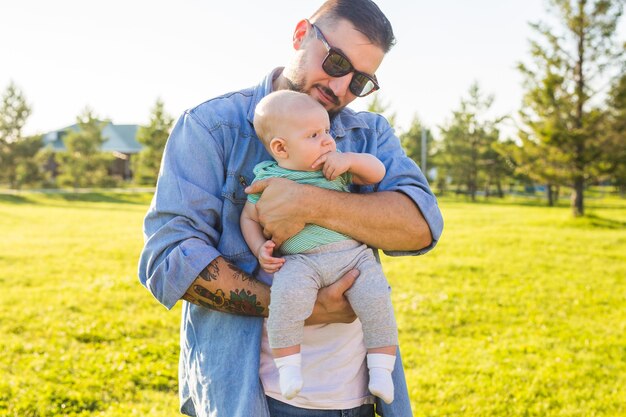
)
(278, 146)
(302, 28)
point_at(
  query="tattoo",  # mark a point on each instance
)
(190, 298)
(240, 301)
(238, 273)
(211, 272)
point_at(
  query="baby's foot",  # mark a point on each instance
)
(290, 375)
(380, 367)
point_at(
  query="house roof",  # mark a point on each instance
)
(117, 138)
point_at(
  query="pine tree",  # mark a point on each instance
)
(616, 133)
(411, 141)
(16, 151)
(83, 164)
(561, 136)
(27, 169)
(153, 137)
(467, 145)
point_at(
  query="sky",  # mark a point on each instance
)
(119, 56)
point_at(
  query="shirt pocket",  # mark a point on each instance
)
(234, 186)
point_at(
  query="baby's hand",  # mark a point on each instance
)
(334, 164)
(269, 263)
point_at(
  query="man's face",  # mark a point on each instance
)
(307, 75)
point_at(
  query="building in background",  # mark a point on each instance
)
(119, 140)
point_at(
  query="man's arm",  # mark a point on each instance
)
(223, 287)
(181, 235)
(401, 216)
(387, 220)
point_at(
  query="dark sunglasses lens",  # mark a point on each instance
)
(336, 65)
(361, 85)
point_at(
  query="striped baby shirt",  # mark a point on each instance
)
(312, 236)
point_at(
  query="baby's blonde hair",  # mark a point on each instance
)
(278, 109)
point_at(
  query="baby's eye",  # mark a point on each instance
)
(327, 131)
(314, 135)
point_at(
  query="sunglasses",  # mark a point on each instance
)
(337, 64)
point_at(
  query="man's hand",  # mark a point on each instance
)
(280, 208)
(333, 164)
(268, 262)
(331, 305)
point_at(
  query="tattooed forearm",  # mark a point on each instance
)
(239, 274)
(223, 287)
(188, 297)
(238, 302)
(211, 272)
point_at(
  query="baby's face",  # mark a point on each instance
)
(307, 139)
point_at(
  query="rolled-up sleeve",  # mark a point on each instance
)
(182, 226)
(404, 175)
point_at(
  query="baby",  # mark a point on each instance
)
(295, 130)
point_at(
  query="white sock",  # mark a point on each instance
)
(381, 384)
(290, 375)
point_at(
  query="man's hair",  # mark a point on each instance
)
(366, 17)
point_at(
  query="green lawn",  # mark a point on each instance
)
(519, 312)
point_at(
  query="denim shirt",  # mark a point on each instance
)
(194, 218)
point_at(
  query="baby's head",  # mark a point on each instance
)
(294, 128)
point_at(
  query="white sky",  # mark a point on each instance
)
(118, 56)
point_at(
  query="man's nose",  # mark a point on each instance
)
(339, 85)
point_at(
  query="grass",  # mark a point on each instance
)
(518, 312)
(80, 336)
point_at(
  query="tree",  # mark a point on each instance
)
(412, 143)
(153, 137)
(496, 167)
(523, 157)
(540, 163)
(83, 164)
(16, 151)
(27, 168)
(48, 162)
(616, 132)
(561, 135)
(467, 145)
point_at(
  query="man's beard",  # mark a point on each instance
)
(296, 86)
(299, 87)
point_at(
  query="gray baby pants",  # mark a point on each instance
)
(295, 287)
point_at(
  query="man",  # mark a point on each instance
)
(194, 249)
